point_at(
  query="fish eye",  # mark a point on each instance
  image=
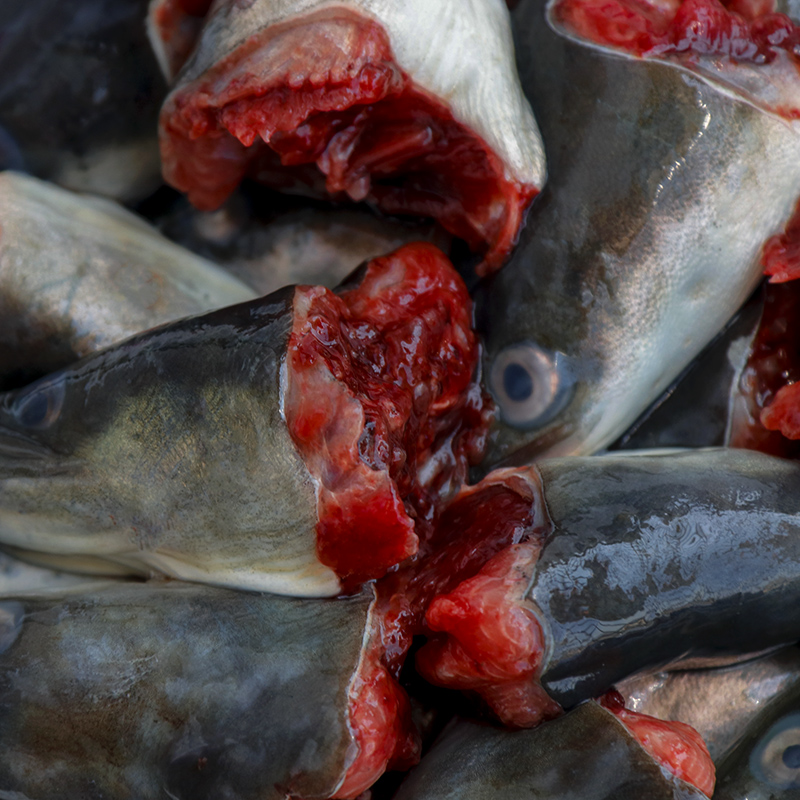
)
(529, 384)
(39, 406)
(775, 760)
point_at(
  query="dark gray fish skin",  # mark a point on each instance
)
(585, 755)
(79, 273)
(765, 764)
(655, 558)
(269, 240)
(168, 453)
(81, 93)
(661, 191)
(719, 704)
(695, 411)
(175, 690)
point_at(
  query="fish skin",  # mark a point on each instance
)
(756, 768)
(653, 558)
(168, 453)
(585, 755)
(79, 273)
(176, 690)
(661, 191)
(269, 240)
(695, 411)
(82, 101)
(720, 704)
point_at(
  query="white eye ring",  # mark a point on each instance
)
(769, 762)
(528, 384)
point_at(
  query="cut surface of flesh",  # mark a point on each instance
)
(382, 404)
(764, 409)
(319, 104)
(744, 45)
(678, 747)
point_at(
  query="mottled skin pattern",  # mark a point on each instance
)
(585, 755)
(80, 94)
(80, 273)
(656, 558)
(661, 191)
(150, 691)
(168, 452)
(764, 764)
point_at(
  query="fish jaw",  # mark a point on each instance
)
(388, 113)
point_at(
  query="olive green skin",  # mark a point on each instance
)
(656, 558)
(168, 453)
(80, 95)
(661, 190)
(176, 690)
(585, 755)
(752, 770)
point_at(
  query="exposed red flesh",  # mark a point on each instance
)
(325, 92)
(477, 525)
(381, 404)
(676, 746)
(745, 30)
(741, 44)
(492, 643)
(380, 719)
(781, 253)
(758, 420)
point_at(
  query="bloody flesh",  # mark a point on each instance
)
(469, 582)
(321, 105)
(380, 721)
(381, 404)
(763, 411)
(743, 30)
(675, 745)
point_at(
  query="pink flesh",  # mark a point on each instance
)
(676, 746)
(781, 253)
(725, 42)
(381, 404)
(324, 95)
(492, 643)
(380, 719)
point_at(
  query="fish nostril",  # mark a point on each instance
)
(791, 756)
(517, 382)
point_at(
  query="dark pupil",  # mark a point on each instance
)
(34, 410)
(517, 383)
(791, 756)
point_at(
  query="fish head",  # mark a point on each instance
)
(131, 446)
